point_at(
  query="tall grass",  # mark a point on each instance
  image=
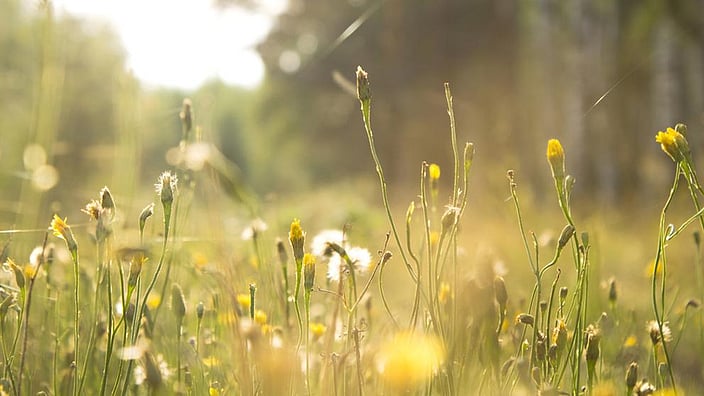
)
(396, 311)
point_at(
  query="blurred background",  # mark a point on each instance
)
(82, 104)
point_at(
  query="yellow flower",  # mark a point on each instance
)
(297, 238)
(556, 158)
(153, 301)
(317, 330)
(213, 391)
(260, 317)
(434, 171)
(308, 271)
(673, 144)
(444, 293)
(630, 342)
(244, 301)
(62, 230)
(409, 360)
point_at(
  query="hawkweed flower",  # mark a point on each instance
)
(62, 230)
(674, 144)
(654, 332)
(103, 216)
(556, 159)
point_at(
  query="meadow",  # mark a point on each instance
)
(210, 289)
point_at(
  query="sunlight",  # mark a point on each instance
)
(183, 44)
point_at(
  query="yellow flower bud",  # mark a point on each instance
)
(556, 158)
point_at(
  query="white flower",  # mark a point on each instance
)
(360, 257)
(139, 375)
(334, 264)
(320, 241)
(654, 331)
(256, 227)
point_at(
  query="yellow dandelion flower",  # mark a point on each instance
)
(409, 360)
(244, 301)
(213, 391)
(297, 238)
(556, 158)
(673, 144)
(260, 317)
(317, 330)
(62, 230)
(153, 301)
(434, 171)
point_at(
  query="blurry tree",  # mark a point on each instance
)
(521, 72)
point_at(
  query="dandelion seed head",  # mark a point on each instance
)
(319, 246)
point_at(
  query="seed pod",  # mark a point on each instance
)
(178, 302)
(631, 375)
(500, 292)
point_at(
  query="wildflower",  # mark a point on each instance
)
(320, 247)
(62, 230)
(674, 144)
(260, 317)
(153, 301)
(409, 360)
(654, 332)
(254, 229)
(166, 187)
(243, 301)
(317, 330)
(434, 172)
(556, 159)
(308, 271)
(359, 257)
(643, 388)
(444, 293)
(297, 238)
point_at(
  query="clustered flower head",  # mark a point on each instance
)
(61, 229)
(654, 331)
(322, 247)
(674, 144)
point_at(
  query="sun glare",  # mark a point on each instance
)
(183, 44)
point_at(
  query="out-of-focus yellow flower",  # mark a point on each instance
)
(211, 361)
(30, 271)
(244, 301)
(409, 360)
(153, 301)
(673, 144)
(308, 271)
(213, 391)
(650, 269)
(317, 330)
(200, 260)
(434, 238)
(260, 317)
(434, 171)
(444, 293)
(556, 159)
(630, 342)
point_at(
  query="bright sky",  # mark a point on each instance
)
(182, 43)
